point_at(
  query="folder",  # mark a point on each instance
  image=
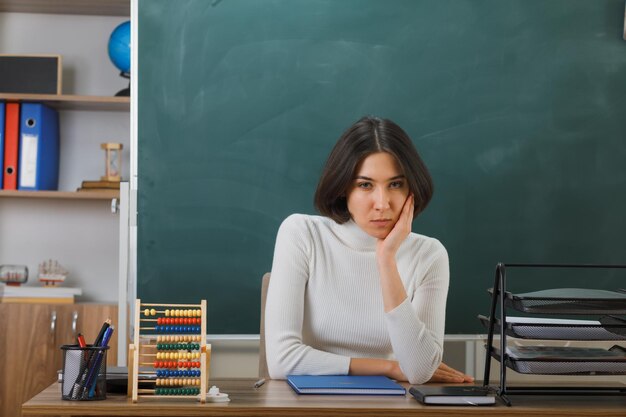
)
(344, 384)
(39, 148)
(2, 110)
(11, 142)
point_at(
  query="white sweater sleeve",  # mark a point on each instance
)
(416, 326)
(284, 309)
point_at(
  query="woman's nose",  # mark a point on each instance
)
(381, 199)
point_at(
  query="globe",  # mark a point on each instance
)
(119, 47)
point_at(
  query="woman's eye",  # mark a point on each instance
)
(365, 185)
(396, 184)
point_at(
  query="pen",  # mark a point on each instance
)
(259, 383)
(81, 340)
(82, 344)
(91, 383)
(103, 329)
(82, 378)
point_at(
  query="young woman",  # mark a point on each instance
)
(354, 291)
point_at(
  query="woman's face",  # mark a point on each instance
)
(377, 194)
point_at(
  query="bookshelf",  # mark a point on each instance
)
(89, 114)
(79, 229)
(73, 102)
(69, 102)
(79, 7)
(66, 195)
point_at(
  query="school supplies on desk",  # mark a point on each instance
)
(170, 343)
(344, 384)
(84, 368)
(84, 373)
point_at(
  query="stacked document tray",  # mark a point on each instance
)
(568, 301)
(556, 360)
(565, 360)
(607, 328)
(605, 320)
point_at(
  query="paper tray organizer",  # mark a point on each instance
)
(568, 301)
(551, 360)
(607, 328)
(560, 364)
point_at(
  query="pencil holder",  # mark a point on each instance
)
(84, 373)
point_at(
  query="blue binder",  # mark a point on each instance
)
(344, 385)
(39, 148)
(2, 110)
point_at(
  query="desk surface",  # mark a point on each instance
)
(276, 398)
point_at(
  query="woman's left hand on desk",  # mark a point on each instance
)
(446, 374)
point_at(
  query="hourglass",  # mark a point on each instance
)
(113, 161)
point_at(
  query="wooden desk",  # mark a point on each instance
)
(275, 398)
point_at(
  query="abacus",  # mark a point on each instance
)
(171, 339)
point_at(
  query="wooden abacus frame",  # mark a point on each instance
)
(145, 345)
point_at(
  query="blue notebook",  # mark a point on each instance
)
(344, 384)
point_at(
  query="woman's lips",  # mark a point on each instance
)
(381, 222)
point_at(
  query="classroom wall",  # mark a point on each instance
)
(81, 235)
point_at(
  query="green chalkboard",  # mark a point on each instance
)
(517, 106)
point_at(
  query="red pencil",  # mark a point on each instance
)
(81, 340)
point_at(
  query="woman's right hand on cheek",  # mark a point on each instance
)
(390, 244)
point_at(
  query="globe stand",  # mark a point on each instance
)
(125, 92)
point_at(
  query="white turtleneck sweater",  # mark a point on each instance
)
(325, 306)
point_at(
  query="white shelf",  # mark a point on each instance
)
(80, 7)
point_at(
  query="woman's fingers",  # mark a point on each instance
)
(444, 373)
(440, 376)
